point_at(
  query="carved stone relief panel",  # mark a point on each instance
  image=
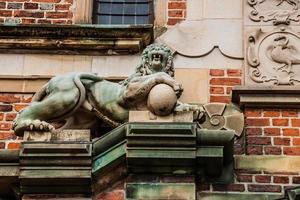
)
(272, 57)
(268, 12)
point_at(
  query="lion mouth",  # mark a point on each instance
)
(157, 57)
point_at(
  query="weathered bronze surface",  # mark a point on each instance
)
(81, 98)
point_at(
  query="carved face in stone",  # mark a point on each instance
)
(157, 59)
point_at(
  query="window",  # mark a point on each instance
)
(123, 12)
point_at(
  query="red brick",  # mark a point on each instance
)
(231, 187)
(19, 107)
(263, 178)
(13, 145)
(5, 13)
(216, 72)
(175, 13)
(258, 122)
(9, 98)
(271, 113)
(290, 132)
(7, 135)
(228, 90)
(57, 15)
(31, 6)
(28, 21)
(177, 5)
(5, 108)
(203, 187)
(47, 1)
(173, 21)
(2, 145)
(280, 122)
(281, 179)
(282, 141)
(62, 6)
(259, 140)
(225, 81)
(10, 116)
(44, 21)
(290, 113)
(252, 112)
(26, 99)
(244, 178)
(113, 195)
(292, 151)
(1, 116)
(253, 131)
(234, 72)
(296, 180)
(2, 5)
(25, 13)
(272, 150)
(220, 99)
(272, 131)
(264, 188)
(254, 150)
(296, 141)
(5, 126)
(296, 122)
(216, 90)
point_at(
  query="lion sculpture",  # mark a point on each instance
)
(81, 98)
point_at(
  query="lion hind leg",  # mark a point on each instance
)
(54, 106)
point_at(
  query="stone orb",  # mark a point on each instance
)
(161, 100)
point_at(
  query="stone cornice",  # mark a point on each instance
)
(266, 97)
(75, 39)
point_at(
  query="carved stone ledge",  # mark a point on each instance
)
(266, 97)
(75, 39)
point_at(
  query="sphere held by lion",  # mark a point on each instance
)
(161, 100)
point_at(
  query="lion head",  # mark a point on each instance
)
(156, 58)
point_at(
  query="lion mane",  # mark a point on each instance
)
(145, 67)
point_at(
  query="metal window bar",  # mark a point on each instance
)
(123, 12)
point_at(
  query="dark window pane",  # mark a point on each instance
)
(129, 9)
(129, 19)
(117, 8)
(123, 11)
(104, 19)
(116, 20)
(142, 9)
(142, 20)
(104, 8)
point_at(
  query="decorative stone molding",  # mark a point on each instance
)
(75, 39)
(200, 38)
(270, 11)
(272, 57)
(266, 97)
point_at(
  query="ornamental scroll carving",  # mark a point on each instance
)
(273, 58)
(275, 11)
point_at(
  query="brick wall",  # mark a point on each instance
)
(10, 105)
(176, 11)
(36, 11)
(272, 132)
(221, 83)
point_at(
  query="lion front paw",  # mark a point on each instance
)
(31, 125)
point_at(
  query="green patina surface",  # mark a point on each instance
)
(160, 191)
(238, 196)
(112, 155)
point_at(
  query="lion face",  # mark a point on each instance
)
(156, 58)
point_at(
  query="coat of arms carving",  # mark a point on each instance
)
(273, 58)
(275, 11)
